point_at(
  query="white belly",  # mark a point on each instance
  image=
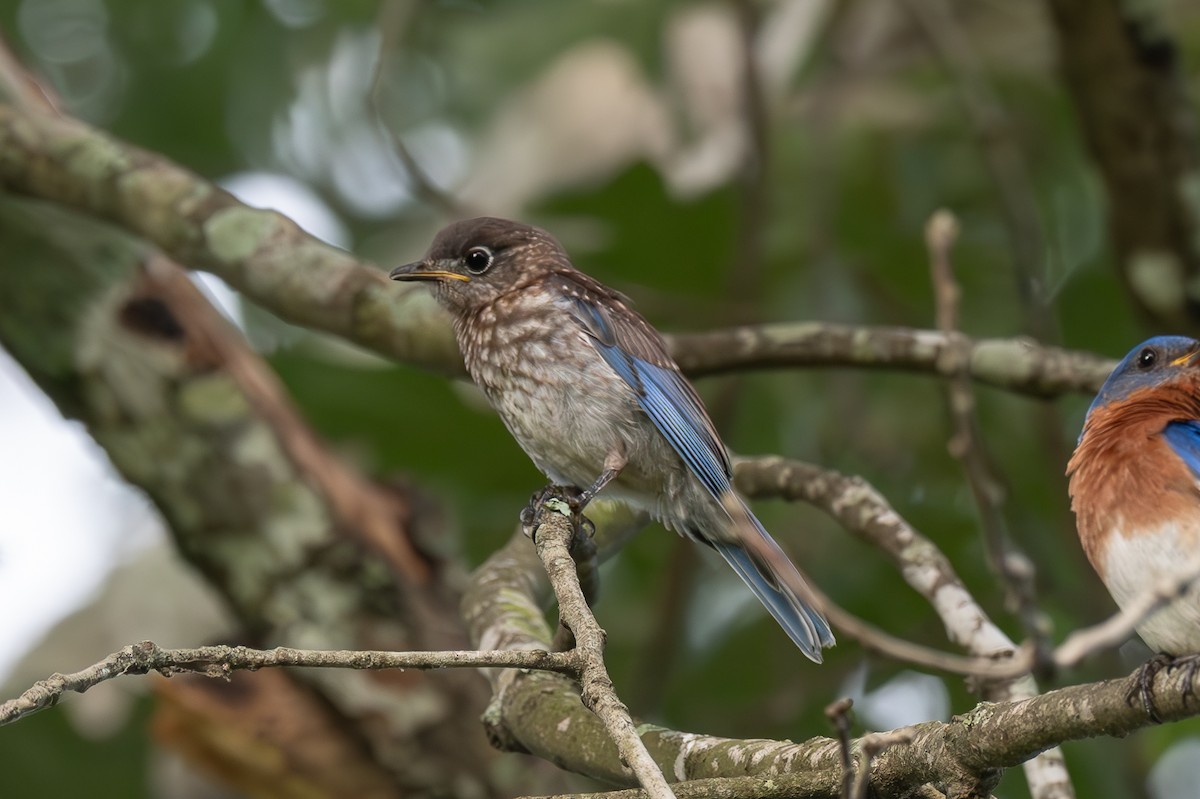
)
(1136, 564)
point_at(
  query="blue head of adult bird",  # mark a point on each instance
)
(589, 391)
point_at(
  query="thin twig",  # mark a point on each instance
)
(865, 513)
(839, 713)
(871, 746)
(553, 530)
(1109, 633)
(1046, 774)
(1013, 569)
(221, 661)
(862, 631)
(905, 651)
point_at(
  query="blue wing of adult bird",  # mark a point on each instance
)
(675, 409)
(1184, 438)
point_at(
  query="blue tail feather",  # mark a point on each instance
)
(803, 623)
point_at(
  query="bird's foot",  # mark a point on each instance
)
(576, 498)
(539, 498)
(1142, 688)
(573, 497)
(582, 546)
(1191, 667)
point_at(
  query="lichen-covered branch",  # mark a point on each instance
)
(194, 421)
(541, 713)
(275, 264)
(1019, 365)
(262, 253)
(867, 515)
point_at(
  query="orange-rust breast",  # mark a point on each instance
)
(1124, 476)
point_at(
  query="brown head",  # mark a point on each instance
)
(475, 261)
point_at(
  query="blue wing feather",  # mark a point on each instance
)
(666, 402)
(1184, 438)
(676, 412)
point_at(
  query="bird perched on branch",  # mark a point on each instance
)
(1135, 486)
(587, 388)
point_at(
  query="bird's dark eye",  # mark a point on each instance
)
(478, 259)
(1147, 358)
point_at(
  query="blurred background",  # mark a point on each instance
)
(720, 162)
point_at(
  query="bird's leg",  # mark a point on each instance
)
(575, 497)
(582, 547)
(614, 462)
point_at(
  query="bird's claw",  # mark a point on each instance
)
(1191, 667)
(1142, 688)
(582, 546)
(572, 496)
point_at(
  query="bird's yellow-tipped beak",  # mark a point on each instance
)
(1189, 359)
(421, 271)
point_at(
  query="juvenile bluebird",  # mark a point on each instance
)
(1135, 485)
(585, 385)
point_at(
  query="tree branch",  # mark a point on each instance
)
(865, 513)
(197, 425)
(969, 748)
(553, 531)
(259, 252)
(1011, 566)
(275, 264)
(967, 751)
(530, 710)
(1015, 364)
(222, 661)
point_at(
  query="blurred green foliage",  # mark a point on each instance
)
(46, 757)
(867, 137)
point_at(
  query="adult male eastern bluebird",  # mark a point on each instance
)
(1135, 484)
(585, 385)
